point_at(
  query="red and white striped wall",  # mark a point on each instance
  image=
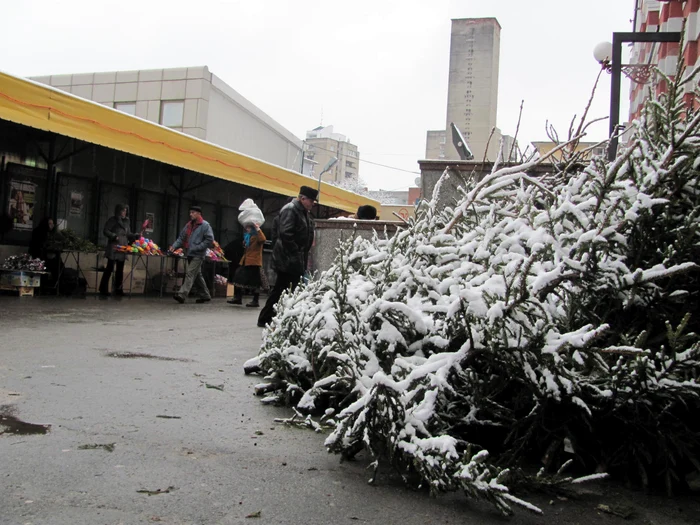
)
(664, 16)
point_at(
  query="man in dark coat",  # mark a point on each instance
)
(294, 236)
(196, 237)
(118, 233)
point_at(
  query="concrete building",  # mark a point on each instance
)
(397, 198)
(322, 144)
(511, 147)
(472, 93)
(651, 16)
(190, 100)
(436, 144)
(591, 149)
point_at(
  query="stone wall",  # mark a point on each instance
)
(330, 233)
(463, 174)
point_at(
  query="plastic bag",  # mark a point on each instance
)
(250, 214)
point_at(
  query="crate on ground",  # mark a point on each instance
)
(22, 282)
(20, 278)
(223, 290)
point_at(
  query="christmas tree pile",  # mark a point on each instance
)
(549, 320)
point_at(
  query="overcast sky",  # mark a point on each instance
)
(376, 70)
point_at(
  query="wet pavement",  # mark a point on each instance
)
(137, 411)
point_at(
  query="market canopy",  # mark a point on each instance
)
(38, 106)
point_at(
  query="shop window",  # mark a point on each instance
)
(126, 107)
(172, 113)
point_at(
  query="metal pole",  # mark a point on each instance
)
(615, 84)
(179, 207)
(616, 71)
(319, 183)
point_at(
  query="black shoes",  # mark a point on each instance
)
(235, 301)
(180, 299)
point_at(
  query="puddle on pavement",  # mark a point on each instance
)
(139, 355)
(10, 425)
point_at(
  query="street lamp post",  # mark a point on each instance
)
(326, 168)
(610, 57)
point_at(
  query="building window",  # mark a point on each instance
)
(126, 107)
(172, 113)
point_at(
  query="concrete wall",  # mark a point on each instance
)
(462, 174)
(329, 234)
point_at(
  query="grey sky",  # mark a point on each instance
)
(376, 70)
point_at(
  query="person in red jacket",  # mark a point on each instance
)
(250, 277)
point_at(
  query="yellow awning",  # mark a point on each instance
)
(28, 103)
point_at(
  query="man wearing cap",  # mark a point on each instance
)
(294, 236)
(195, 238)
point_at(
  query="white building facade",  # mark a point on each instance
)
(190, 100)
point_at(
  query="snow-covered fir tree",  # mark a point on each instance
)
(548, 320)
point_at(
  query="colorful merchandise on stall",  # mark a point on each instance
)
(23, 262)
(141, 246)
(216, 253)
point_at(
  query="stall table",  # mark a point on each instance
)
(142, 259)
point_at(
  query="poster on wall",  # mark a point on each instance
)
(21, 206)
(149, 222)
(76, 204)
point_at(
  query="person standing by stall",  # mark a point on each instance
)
(195, 238)
(250, 276)
(46, 244)
(294, 237)
(118, 232)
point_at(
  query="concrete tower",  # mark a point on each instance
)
(472, 94)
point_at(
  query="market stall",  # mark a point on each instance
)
(21, 274)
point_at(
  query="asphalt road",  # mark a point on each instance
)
(182, 439)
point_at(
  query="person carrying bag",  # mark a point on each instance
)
(250, 276)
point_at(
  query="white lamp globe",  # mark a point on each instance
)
(603, 52)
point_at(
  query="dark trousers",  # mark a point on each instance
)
(118, 276)
(284, 281)
(238, 294)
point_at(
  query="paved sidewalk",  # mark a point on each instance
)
(187, 428)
